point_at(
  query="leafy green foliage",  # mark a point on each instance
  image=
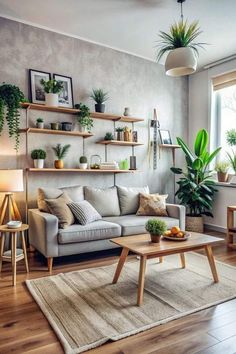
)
(232, 160)
(84, 117)
(109, 136)
(222, 166)
(83, 159)
(39, 120)
(61, 151)
(231, 137)
(119, 129)
(196, 187)
(10, 98)
(99, 96)
(156, 227)
(181, 35)
(52, 86)
(38, 154)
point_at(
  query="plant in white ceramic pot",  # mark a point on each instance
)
(52, 88)
(39, 156)
(83, 163)
(40, 123)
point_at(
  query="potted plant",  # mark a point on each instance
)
(52, 88)
(231, 140)
(10, 99)
(99, 96)
(120, 133)
(84, 119)
(109, 136)
(39, 123)
(60, 152)
(222, 171)
(196, 186)
(39, 156)
(156, 229)
(83, 163)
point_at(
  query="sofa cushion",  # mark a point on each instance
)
(152, 205)
(134, 224)
(60, 209)
(84, 212)
(105, 201)
(129, 198)
(97, 230)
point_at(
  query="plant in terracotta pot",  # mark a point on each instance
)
(120, 133)
(196, 185)
(39, 156)
(84, 119)
(40, 123)
(231, 140)
(60, 152)
(52, 88)
(222, 168)
(83, 163)
(156, 229)
(99, 96)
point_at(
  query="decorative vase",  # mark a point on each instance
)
(124, 164)
(66, 126)
(59, 164)
(222, 176)
(155, 238)
(181, 61)
(83, 166)
(120, 136)
(39, 163)
(132, 163)
(127, 136)
(40, 125)
(127, 111)
(51, 99)
(194, 223)
(100, 107)
(55, 126)
(81, 128)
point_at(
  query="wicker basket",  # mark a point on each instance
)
(194, 223)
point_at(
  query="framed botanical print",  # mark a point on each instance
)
(65, 98)
(37, 93)
(165, 137)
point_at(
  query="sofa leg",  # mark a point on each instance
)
(50, 263)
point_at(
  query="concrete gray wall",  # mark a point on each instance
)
(131, 81)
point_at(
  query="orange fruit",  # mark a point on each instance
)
(168, 233)
(180, 234)
(175, 230)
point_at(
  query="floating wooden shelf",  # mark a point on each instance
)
(115, 117)
(118, 143)
(56, 132)
(41, 107)
(78, 170)
(169, 146)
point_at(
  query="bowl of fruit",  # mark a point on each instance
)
(175, 234)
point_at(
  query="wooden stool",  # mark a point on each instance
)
(231, 228)
(15, 254)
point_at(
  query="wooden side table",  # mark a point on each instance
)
(15, 254)
(231, 228)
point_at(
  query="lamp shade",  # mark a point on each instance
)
(11, 181)
(180, 62)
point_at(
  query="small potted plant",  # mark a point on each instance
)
(156, 229)
(120, 133)
(109, 136)
(39, 156)
(99, 96)
(60, 152)
(39, 123)
(52, 88)
(222, 171)
(84, 119)
(83, 163)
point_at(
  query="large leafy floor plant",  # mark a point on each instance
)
(196, 186)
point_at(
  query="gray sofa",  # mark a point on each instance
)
(117, 205)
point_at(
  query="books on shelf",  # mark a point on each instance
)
(109, 166)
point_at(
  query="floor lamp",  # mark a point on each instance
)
(10, 181)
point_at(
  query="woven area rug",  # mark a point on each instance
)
(86, 310)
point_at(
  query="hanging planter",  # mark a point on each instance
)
(180, 62)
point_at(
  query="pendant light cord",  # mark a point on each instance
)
(181, 9)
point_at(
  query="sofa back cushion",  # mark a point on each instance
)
(129, 198)
(105, 201)
(76, 194)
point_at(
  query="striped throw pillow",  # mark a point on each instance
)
(84, 212)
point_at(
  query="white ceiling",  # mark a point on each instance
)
(131, 25)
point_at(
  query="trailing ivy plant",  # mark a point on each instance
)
(10, 98)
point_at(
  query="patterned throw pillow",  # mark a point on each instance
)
(152, 205)
(84, 212)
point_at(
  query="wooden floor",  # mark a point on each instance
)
(24, 329)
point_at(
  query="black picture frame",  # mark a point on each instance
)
(65, 98)
(36, 93)
(165, 137)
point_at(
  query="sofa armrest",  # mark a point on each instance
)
(43, 230)
(178, 212)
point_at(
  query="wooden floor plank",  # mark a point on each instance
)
(228, 346)
(224, 332)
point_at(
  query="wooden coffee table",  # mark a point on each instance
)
(142, 246)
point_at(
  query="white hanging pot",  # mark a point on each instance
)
(180, 62)
(39, 163)
(51, 99)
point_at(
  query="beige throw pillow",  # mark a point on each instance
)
(60, 209)
(152, 205)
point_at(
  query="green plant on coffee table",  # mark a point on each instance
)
(10, 99)
(231, 140)
(222, 166)
(61, 151)
(196, 186)
(109, 136)
(83, 159)
(99, 96)
(84, 118)
(38, 154)
(52, 86)
(156, 227)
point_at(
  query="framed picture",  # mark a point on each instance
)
(66, 96)
(165, 137)
(37, 94)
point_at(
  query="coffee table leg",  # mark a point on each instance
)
(141, 280)
(182, 258)
(120, 264)
(211, 261)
